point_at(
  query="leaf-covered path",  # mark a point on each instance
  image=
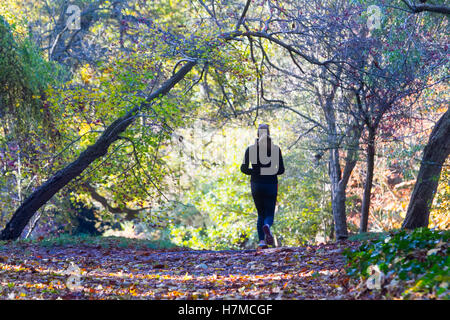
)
(32, 271)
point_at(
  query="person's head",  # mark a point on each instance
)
(264, 139)
(263, 129)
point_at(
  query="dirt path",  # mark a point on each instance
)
(30, 271)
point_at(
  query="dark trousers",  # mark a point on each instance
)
(265, 197)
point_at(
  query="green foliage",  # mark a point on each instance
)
(23, 77)
(218, 210)
(224, 215)
(304, 207)
(26, 125)
(215, 209)
(131, 176)
(418, 259)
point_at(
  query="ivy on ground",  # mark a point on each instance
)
(404, 264)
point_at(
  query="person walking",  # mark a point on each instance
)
(267, 163)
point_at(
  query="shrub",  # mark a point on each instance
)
(411, 263)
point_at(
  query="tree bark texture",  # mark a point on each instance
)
(434, 155)
(370, 163)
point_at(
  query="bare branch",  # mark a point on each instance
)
(241, 19)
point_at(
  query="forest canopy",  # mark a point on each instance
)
(131, 117)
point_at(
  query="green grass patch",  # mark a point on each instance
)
(95, 241)
(368, 236)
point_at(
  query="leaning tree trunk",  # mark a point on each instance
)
(369, 181)
(434, 155)
(45, 192)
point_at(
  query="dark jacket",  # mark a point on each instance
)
(256, 172)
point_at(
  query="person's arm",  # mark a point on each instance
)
(245, 165)
(281, 166)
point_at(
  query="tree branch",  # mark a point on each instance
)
(422, 7)
(130, 213)
(241, 19)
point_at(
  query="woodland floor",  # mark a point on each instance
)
(91, 271)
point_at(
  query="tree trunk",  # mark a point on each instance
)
(338, 179)
(434, 155)
(337, 196)
(45, 192)
(369, 181)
